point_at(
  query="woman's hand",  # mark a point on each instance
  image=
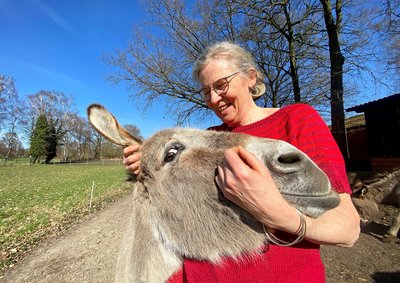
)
(132, 157)
(247, 182)
(244, 180)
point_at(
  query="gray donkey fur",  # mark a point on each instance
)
(384, 189)
(178, 211)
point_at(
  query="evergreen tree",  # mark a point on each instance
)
(51, 142)
(38, 139)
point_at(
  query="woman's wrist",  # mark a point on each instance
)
(286, 219)
(300, 233)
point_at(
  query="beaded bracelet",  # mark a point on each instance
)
(301, 233)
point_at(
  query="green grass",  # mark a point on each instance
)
(40, 200)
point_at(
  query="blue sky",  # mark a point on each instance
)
(58, 45)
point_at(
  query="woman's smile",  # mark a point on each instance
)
(222, 108)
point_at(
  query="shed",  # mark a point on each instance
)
(357, 145)
(382, 119)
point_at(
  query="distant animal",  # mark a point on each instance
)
(178, 210)
(383, 189)
(367, 208)
(394, 229)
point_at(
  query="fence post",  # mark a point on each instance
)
(91, 196)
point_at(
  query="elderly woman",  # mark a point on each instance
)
(230, 82)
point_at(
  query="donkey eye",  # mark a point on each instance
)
(173, 151)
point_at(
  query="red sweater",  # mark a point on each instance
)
(301, 126)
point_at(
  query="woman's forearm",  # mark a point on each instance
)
(339, 226)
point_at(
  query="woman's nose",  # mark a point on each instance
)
(214, 96)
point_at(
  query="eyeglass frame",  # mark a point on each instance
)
(228, 79)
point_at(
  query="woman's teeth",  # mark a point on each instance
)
(222, 108)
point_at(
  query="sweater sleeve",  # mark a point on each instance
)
(315, 139)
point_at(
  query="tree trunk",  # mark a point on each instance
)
(292, 56)
(337, 61)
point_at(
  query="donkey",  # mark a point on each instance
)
(383, 189)
(178, 210)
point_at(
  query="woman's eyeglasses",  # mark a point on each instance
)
(220, 87)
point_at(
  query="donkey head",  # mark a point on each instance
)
(189, 214)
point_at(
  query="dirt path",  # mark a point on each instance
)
(87, 253)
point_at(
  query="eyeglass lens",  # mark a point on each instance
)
(220, 87)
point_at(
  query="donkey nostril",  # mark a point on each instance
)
(289, 158)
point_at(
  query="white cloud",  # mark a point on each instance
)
(58, 19)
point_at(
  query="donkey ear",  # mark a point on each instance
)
(107, 125)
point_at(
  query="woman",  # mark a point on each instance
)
(230, 82)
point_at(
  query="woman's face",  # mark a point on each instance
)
(233, 105)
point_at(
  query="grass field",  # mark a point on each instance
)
(40, 200)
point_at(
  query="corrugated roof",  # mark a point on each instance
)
(355, 121)
(362, 107)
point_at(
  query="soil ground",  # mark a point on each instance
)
(87, 252)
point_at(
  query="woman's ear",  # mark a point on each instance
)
(252, 77)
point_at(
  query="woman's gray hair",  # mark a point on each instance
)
(237, 56)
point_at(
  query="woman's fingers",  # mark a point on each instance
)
(250, 159)
(132, 157)
(242, 162)
(129, 150)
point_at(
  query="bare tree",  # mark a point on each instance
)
(10, 116)
(288, 39)
(12, 145)
(55, 105)
(133, 130)
(285, 39)
(75, 144)
(276, 18)
(281, 38)
(333, 27)
(96, 144)
(110, 150)
(160, 66)
(8, 102)
(389, 30)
